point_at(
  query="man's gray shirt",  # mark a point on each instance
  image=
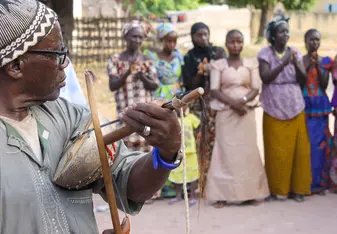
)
(29, 202)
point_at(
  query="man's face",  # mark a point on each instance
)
(43, 73)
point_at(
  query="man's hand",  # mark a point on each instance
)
(165, 128)
(288, 58)
(201, 67)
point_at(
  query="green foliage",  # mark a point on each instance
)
(288, 4)
(159, 7)
(256, 3)
(298, 4)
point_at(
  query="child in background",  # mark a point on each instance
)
(191, 123)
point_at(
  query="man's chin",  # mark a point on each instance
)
(52, 97)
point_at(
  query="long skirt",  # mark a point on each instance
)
(287, 155)
(210, 136)
(321, 144)
(236, 171)
(333, 164)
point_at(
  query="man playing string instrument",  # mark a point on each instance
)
(36, 125)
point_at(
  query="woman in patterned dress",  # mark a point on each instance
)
(132, 77)
(195, 75)
(317, 110)
(168, 62)
(333, 161)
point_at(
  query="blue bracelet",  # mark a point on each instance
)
(157, 160)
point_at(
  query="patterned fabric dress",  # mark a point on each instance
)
(191, 62)
(317, 110)
(169, 75)
(133, 91)
(333, 164)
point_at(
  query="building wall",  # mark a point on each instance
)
(97, 8)
(323, 6)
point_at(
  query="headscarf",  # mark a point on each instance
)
(272, 25)
(164, 29)
(197, 54)
(131, 25)
(196, 27)
(22, 24)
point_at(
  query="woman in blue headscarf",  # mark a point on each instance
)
(168, 62)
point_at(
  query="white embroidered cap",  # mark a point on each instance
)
(23, 23)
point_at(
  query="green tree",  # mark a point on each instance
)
(267, 6)
(158, 7)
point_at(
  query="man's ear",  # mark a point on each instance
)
(14, 69)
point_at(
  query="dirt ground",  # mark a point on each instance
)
(316, 215)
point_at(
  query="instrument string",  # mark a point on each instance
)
(187, 210)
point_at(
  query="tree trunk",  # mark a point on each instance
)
(265, 10)
(64, 10)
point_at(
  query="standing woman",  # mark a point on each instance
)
(168, 62)
(194, 76)
(317, 109)
(286, 141)
(133, 77)
(333, 162)
(236, 173)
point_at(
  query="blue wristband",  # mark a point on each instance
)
(158, 161)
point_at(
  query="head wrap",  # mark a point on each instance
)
(197, 26)
(272, 25)
(164, 29)
(131, 25)
(197, 54)
(23, 23)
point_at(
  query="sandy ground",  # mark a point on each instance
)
(317, 215)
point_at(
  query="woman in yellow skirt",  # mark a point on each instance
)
(191, 123)
(286, 140)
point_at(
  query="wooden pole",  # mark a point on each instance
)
(102, 153)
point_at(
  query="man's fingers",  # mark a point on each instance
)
(143, 118)
(153, 110)
(132, 123)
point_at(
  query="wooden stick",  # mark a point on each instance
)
(102, 153)
(127, 131)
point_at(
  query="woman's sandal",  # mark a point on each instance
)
(250, 203)
(220, 204)
(174, 201)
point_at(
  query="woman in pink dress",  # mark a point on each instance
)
(236, 172)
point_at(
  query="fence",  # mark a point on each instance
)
(95, 39)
